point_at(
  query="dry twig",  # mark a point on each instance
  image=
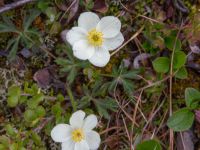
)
(14, 5)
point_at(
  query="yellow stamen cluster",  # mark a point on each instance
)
(95, 37)
(78, 135)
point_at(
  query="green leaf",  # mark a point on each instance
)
(181, 73)
(40, 111)
(35, 100)
(13, 50)
(128, 86)
(30, 115)
(192, 98)
(36, 138)
(10, 130)
(57, 110)
(72, 100)
(30, 18)
(4, 140)
(72, 74)
(14, 93)
(43, 5)
(170, 43)
(161, 64)
(60, 97)
(149, 145)
(104, 105)
(55, 28)
(179, 59)
(181, 120)
(7, 26)
(133, 74)
(3, 147)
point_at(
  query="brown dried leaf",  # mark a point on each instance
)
(1, 3)
(63, 35)
(61, 6)
(42, 77)
(194, 46)
(185, 140)
(100, 6)
(18, 63)
(141, 58)
(73, 10)
(197, 116)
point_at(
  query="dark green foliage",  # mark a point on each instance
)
(27, 36)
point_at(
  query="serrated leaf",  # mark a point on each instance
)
(30, 18)
(104, 105)
(13, 50)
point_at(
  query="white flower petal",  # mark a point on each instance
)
(100, 58)
(93, 139)
(68, 145)
(76, 120)
(61, 132)
(81, 145)
(113, 43)
(90, 123)
(83, 50)
(75, 34)
(88, 20)
(110, 26)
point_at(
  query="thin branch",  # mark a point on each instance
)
(171, 134)
(14, 5)
(134, 36)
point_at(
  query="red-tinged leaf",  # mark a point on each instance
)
(141, 58)
(194, 47)
(170, 12)
(42, 77)
(197, 116)
(63, 35)
(185, 140)
(100, 6)
(73, 10)
(1, 3)
(18, 63)
(61, 6)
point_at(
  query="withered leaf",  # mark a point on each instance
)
(42, 77)
(100, 6)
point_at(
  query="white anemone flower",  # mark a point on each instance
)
(79, 135)
(93, 38)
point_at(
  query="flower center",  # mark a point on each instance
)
(95, 37)
(78, 135)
